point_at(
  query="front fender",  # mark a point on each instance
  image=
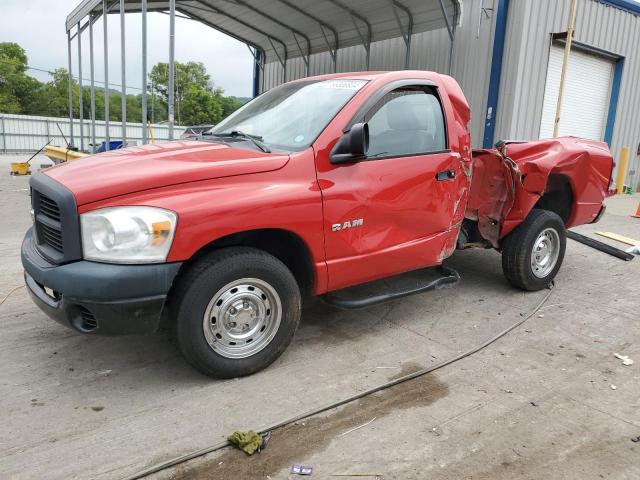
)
(287, 199)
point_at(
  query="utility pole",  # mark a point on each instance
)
(565, 61)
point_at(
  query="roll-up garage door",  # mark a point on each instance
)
(587, 93)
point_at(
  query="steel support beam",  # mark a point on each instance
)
(255, 53)
(333, 49)
(144, 73)
(258, 71)
(4, 135)
(306, 58)
(172, 51)
(80, 92)
(451, 29)
(263, 59)
(282, 60)
(107, 135)
(293, 31)
(333, 52)
(123, 95)
(270, 38)
(92, 87)
(210, 9)
(448, 24)
(406, 35)
(365, 39)
(70, 88)
(456, 18)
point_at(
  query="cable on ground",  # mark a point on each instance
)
(198, 453)
(10, 292)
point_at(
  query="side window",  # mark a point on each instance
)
(406, 121)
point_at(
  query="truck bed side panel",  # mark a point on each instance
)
(503, 192)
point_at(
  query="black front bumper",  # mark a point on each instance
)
(96, 297)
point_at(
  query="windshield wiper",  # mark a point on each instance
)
(255, 139)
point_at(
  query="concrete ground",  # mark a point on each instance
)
(539, 403)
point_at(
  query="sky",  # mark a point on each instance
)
(39, 27)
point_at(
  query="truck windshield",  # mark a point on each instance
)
(291, 116)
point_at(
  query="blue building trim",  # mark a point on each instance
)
(613, 103)
(496, 72)
(628, 5)
(256, 73)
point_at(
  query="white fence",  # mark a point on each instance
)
(28, 133)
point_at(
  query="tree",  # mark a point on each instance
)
(201, 106)
(56, 93)
(16, 87)
(231, 104)
(196, 101)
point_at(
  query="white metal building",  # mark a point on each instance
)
(508, 58)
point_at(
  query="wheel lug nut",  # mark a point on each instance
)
(245, 304)
(232, 311)
(232, 324)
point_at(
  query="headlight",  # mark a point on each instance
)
(127, 234)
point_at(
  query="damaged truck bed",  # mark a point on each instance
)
(569, 176)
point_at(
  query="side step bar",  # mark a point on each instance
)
(346, 299)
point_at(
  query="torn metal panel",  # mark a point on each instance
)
(492, 193)
(507, 185)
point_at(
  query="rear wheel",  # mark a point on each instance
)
(236, 311)
(532, 254)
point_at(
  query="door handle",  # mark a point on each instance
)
(445, 175)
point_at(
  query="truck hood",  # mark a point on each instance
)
(134, 169)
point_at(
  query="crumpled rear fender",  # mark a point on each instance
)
(504, 190)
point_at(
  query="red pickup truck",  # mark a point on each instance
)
(316, 186)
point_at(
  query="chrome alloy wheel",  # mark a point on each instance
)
(242, 318)
(545, 252)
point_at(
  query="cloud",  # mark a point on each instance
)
(39, 26)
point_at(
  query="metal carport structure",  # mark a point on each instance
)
(278, 30)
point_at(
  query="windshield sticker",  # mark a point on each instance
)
(344, 84)
(299, 138)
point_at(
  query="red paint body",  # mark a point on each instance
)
(410, 219)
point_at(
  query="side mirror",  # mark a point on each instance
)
(352, 146)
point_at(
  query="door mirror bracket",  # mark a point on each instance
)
(352, 146)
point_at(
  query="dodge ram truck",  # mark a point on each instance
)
(311, 189)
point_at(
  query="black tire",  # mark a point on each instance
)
(195, 290)
(518, 245)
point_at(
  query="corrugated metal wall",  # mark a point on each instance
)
(429, 51)
(528, 40)
(28, 133)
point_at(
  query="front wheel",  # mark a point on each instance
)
(532, 254)
(236, 311)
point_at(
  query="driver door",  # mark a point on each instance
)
(393, 211)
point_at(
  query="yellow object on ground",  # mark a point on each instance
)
(62, 154)
(622, 169)
(249, 442)
(20, 168)
(619, 238)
